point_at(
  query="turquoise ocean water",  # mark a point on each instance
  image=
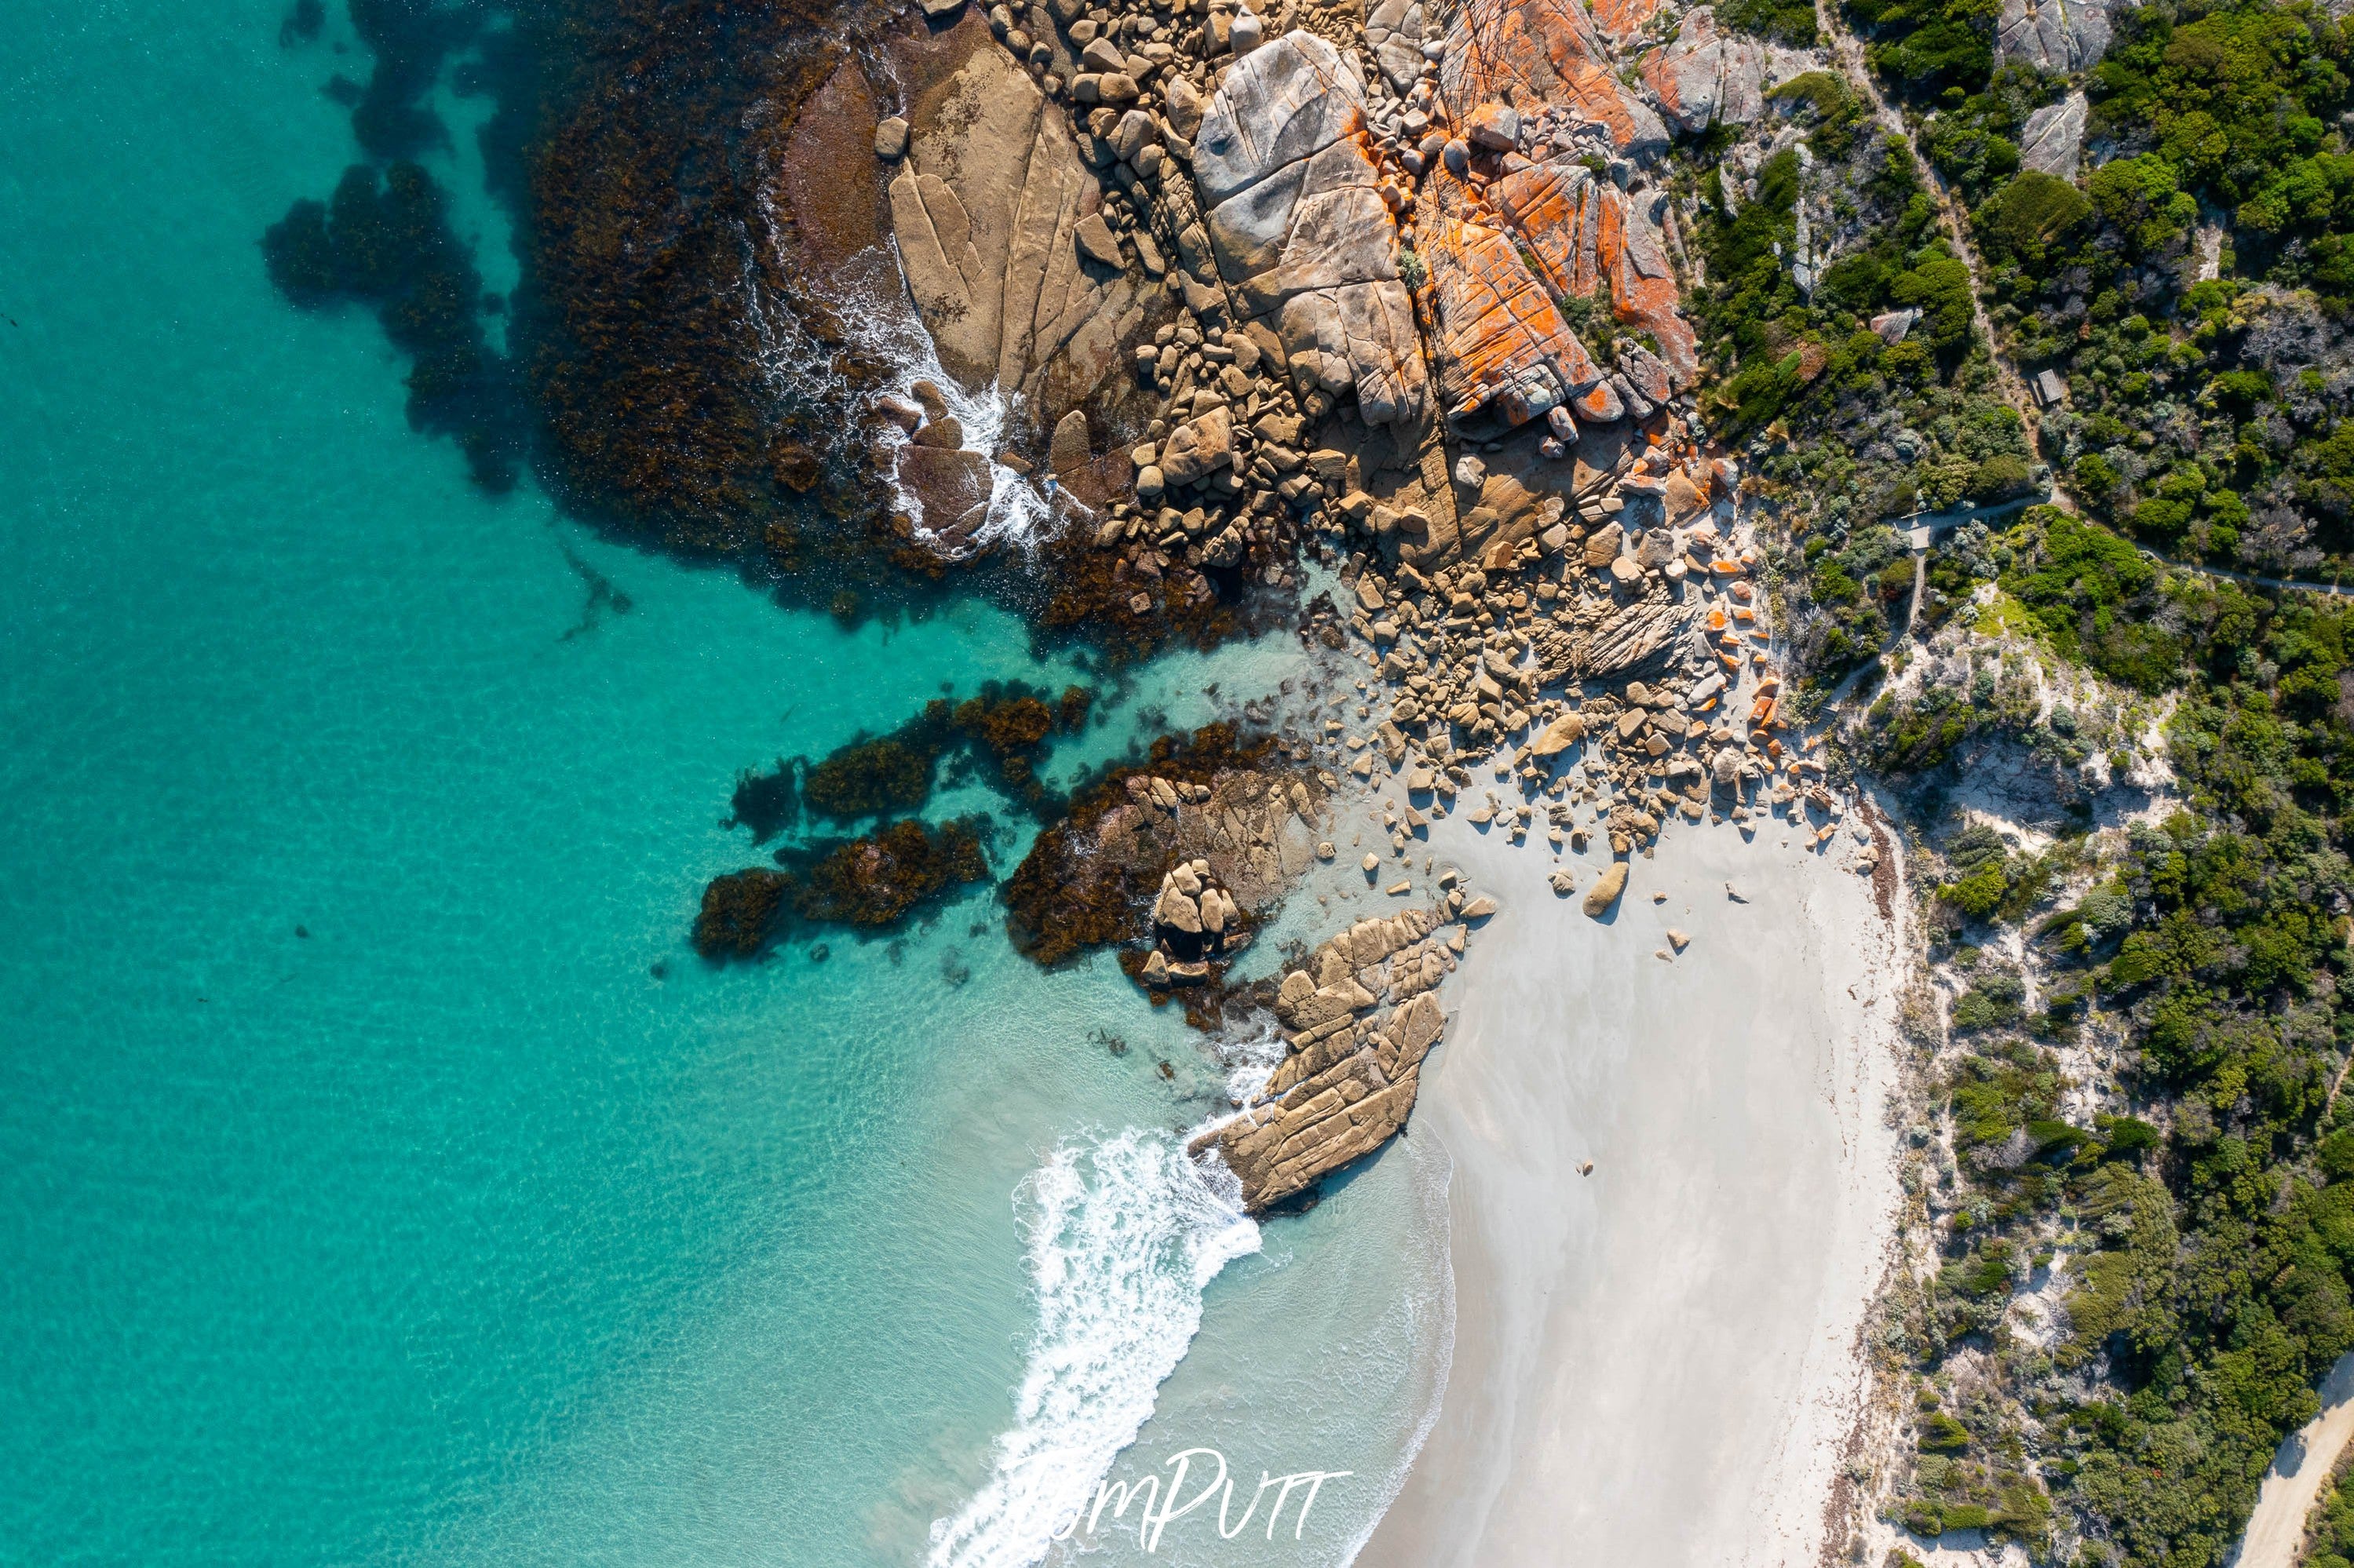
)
(452, 1232)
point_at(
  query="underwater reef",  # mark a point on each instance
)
(872, 881)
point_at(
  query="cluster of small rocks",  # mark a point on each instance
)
(1219, 470)
(923, 415)
(1670, 701)
(1358, 229)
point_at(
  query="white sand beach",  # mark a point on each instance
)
(1658, 1363)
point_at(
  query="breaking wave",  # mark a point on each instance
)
(1021, 514)
(1122, 1235)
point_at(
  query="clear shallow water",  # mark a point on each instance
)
(450, 1232)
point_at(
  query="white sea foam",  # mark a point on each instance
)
(1123, 1233)
(885, 325)
(1250, 1063)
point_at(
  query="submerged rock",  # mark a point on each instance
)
(1096, 877)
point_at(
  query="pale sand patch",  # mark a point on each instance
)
(1658, 1363)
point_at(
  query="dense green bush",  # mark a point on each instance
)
(1927, 46)
(2209, 1288)
(2186, 421)
(1789, 22)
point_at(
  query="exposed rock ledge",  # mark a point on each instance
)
(1350, 1079)
(986, 207)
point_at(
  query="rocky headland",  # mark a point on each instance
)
(1400, 292)
(1579, 367)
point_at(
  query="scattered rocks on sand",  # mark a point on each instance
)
(1605, 892)
(1227, 232)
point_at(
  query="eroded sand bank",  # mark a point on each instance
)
(1657, 1362)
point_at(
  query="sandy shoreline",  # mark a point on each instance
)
(1657, 1362)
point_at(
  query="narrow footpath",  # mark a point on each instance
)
(2276, 1529)
(2301, 1468)
(1848, 50)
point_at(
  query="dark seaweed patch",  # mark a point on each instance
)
(768, 803)
(602, 598)
(409, 39)
(1001, 735)
(302, 25)
(387, 242)
(874, 883)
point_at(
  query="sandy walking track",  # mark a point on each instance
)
(2299, 1471)
(1657, 1363)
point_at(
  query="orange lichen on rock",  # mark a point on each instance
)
(1557, 209)
(1499, 257)
(1643, 291)
(1534, 52)
(1502, 343)
(1622, 21)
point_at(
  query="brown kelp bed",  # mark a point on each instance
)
(1067, 896)
(903, 867)
(874, 882)
(676, 369)
(1003, 734)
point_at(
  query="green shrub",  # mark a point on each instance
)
(1979, 894)
(2336, 1155)
(1994, 1002)
(2128, 1137)
(2000, 478)
(2033, 211)
(1790, 21)
(1941, 1434)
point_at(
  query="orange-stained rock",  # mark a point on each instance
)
(1584, 233)
(1643, 291)
(1529, 53)
(1501, 342)
(1556, 208)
